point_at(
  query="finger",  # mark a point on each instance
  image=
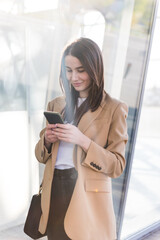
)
(50, 126)
(59, 130)
(63, 126)
(53, 138)
(48, 133)
(64, 136)
(60, 134)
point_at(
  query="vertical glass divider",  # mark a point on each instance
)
(123, 40)
(138, 114)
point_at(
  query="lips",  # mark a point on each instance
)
(77, 84)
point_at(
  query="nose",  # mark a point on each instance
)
(74, 76)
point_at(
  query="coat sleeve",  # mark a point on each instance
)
(111, 159)
(41, 151)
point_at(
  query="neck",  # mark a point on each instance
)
(83, 95)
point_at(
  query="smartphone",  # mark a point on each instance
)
(53, 117)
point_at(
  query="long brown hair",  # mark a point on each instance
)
(90, 56)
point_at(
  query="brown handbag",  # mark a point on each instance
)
(33, 217)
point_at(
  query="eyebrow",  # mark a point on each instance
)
(76, 67)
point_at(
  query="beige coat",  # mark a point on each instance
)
(90, 215)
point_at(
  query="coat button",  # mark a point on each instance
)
(91, 163)
(94, 165)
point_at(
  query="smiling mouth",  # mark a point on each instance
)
(76, 84)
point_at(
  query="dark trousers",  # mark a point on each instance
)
(62, 189)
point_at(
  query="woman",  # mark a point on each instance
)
(82, 155)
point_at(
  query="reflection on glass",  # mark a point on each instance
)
(94, 22)
(143, 206)
(12, 82)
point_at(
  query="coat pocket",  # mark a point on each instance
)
(93, 185)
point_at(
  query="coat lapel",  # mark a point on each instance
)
(60, 105)
(89, 117)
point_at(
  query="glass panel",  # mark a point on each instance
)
(12, 81)
(14, 177)
(24, 72)
(143, 206)
(125, 61)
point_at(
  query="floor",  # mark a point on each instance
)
(17, 233)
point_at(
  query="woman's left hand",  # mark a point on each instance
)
(70, 133)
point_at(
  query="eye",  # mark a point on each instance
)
(81, 70)
(68, 70)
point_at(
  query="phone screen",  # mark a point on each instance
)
(53, 117)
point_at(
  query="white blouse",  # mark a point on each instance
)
(65, 151)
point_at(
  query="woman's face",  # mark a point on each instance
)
(77, 75)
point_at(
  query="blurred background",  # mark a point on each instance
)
(33, 34)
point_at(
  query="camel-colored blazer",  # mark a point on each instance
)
(90, 215)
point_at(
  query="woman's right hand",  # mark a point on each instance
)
(49, 135)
